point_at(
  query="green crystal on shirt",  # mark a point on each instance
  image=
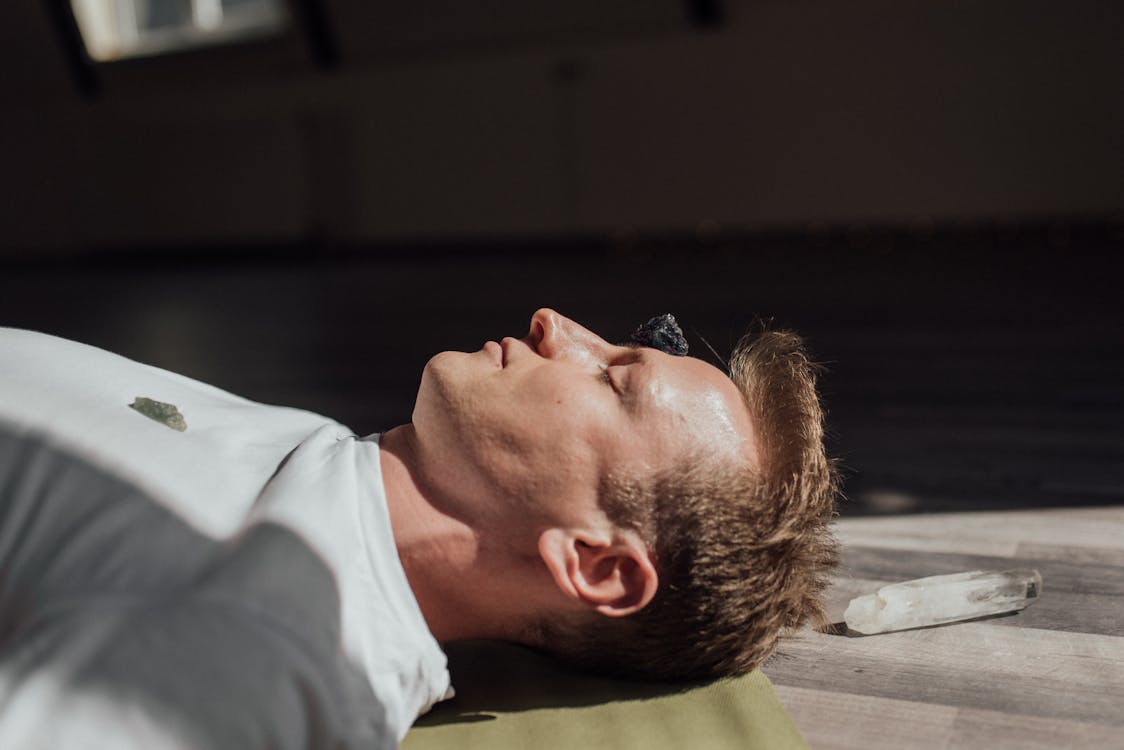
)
(166, 414)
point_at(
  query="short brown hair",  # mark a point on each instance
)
(742, 555)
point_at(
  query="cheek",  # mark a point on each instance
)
(557, 410)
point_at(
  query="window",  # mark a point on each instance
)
(116, 29)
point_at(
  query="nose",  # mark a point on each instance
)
(554, 336)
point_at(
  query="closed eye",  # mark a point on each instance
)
(624, 365)
(605, 377)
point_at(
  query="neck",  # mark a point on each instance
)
(460, 581)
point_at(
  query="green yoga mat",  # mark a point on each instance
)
(510, 698)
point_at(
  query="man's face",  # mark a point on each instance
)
(541, 419)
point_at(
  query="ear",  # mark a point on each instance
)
(613, 575)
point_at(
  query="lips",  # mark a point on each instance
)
(506, 344)
(496, 351)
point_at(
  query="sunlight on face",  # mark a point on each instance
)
(700, 403)
(552, 413)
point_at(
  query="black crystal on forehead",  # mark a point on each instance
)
(663, 333)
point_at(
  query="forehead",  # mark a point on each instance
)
(686, 405)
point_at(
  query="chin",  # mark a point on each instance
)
(440, 368)
(443, 385)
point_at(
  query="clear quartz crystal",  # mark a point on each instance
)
(939, 599)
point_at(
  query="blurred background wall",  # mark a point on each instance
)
(439, 119)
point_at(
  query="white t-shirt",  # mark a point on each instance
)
(261, 501)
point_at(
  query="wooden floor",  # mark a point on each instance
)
(1051, 676)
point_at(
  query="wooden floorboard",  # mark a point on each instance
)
(1074, 676)
(1077, 555)
(989, 533)
(846, 721)
(1051, 675)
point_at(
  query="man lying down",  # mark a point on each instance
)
(180, 567)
